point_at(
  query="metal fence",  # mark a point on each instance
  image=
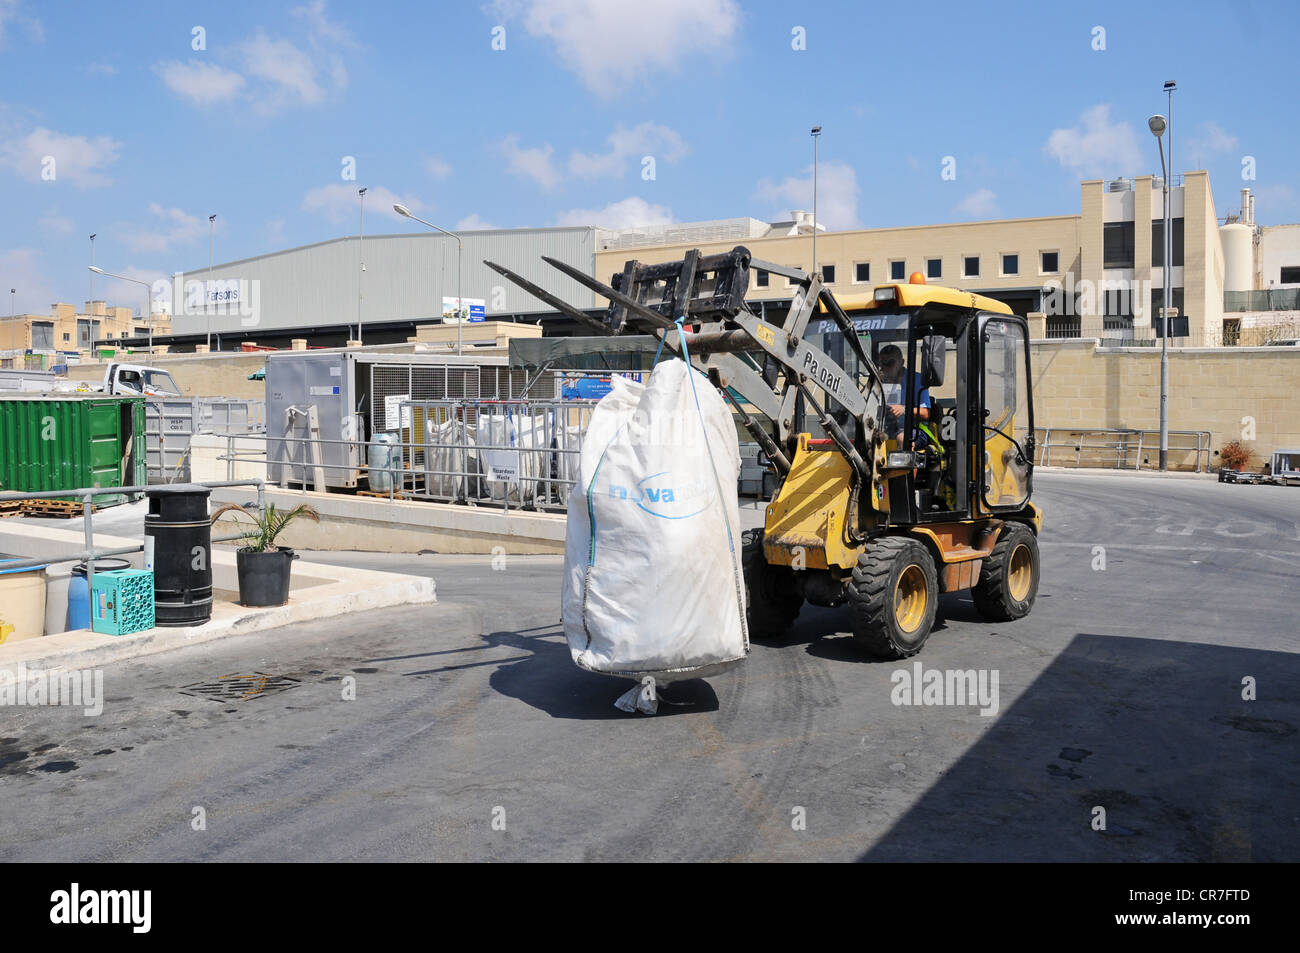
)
(1121, 449)
(171, 422)
(519, 452)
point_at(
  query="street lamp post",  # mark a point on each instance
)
(460, 272)
(816, 135)
(92, 261)
(1158, 125)
(207, 305)
(361, 261)
(148, 309)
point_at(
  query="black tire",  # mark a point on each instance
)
(888, 565)
(1001, 595)
(771, 600)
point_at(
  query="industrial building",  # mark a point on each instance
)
(41, 341)
(1094, 273)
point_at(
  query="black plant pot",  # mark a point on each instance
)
(264, 577)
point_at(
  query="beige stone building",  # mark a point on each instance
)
(1093, 274)
(67, 331)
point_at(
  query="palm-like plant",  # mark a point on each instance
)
(268, 524)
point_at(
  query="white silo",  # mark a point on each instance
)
(1238, 257)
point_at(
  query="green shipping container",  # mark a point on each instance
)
(68, 441)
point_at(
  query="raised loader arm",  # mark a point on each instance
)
(768, 365)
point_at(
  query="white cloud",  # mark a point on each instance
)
(612, 45)
(1210, 138)
(77, 160)
(57, 224)
(272, 73)
(632, 212)
(10, 14)
(436, 167)
(837, 194)
(647, 138)
(168, 227)
(101, 69)
(199, 82)
(289, 72)
(1098, 146)
(534, 163)
(472, 223)
(340, 203)
(20, 269)
(982, 203)
(323, 29)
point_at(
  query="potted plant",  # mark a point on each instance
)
(1234, 455)
(264, 567)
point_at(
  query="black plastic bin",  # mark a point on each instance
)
(178, 548)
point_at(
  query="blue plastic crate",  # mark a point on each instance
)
(122, 601)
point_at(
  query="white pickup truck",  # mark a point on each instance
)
(131, 379)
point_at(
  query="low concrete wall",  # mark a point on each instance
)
(407, 526)
(1223, 390)
(197, 375)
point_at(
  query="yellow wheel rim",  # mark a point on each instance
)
(911, 597)
(1020, 573)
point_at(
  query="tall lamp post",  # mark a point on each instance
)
(361, 260)
(460, 272)
(1158, 125)
(92, 261)
(148, 308)
(207, 305)
(816, 135)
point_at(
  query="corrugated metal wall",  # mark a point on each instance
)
(406, 278)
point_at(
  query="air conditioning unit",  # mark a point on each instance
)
(1120, 185)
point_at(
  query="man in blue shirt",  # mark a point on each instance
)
(893, 372)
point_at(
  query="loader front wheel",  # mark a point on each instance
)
(893, 597)
(771, 600)
(1008, 580)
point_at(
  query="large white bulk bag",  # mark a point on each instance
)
(652, 571)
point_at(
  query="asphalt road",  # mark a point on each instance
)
(1121, 691)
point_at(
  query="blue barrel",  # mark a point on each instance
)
(79, 590)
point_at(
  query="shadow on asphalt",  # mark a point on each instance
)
(1155, 732)
(547, 679)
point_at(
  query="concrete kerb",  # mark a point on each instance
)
(318, 592)
(408, 526)
(1114, 472)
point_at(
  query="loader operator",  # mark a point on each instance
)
(893, 372)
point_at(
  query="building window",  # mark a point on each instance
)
(1290, 275)
(1117, 245)
(109, 334)
(970, 266)
(934, 268)
(761, 280)
(1158, 243)
(1010, 265)
(1051, 262)
(896, 270)
(862, 272)
(828, 274)
(67, 336)
(790, 281)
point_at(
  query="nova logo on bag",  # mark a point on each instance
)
(661, 496)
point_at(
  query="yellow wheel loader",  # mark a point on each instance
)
(900, 423)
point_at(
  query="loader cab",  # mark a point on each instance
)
(962, 447)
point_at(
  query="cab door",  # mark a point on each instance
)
(1004, 414)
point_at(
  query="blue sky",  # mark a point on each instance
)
(150, 135)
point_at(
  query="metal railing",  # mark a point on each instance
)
(468, 451)
(87, 495)
(1099, 444)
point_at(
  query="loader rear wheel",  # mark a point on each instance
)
(771, 600)
(893, 597)
(1008, 580)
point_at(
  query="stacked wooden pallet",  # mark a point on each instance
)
(65, 509)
